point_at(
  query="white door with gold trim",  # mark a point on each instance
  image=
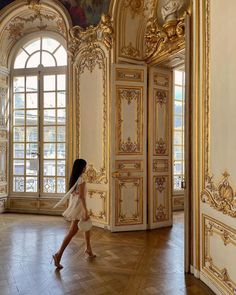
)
(128, 148)
(160, 148)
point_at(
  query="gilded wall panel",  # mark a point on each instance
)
(161, 196)
(129, 201)
(161, 122)
(92, 112)
(218, 239)
(129, 120)
(97, 203)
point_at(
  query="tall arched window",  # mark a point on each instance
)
(38, 140)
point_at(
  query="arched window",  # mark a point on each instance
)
(38, 138)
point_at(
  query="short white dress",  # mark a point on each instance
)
(75, 208)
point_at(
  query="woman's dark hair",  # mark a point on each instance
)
(77, 170)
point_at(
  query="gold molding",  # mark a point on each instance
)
(129, 165)
(228, 236)
(137, 217)
(160, 207)
(129, 94)
(102, 215)
(130, 75)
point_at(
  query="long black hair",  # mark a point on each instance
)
(77, 170)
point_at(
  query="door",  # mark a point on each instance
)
(160, 148)
(129, 148)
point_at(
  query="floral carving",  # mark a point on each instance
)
(129, 146)
(94, 176)
(160, 213)
(161, 147)
(160, 183)
(161, 96)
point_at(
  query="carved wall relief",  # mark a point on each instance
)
(220, 236)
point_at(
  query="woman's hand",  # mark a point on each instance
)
(85, 215)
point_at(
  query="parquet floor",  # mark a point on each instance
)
(126, 263)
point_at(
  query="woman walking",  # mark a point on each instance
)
(76, 211)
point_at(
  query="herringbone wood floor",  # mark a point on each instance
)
(126, 263)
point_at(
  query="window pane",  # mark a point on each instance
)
(50, 44)
(32, 84)
(178, 77)
(178, 167)
(31, 150)
(32, 167)
(177, 182)
(31, 117)
(18, 150)
(18, 184)
(49, 117)
(19, 117)
(49, 100)
(19, 134)
(19, 84)
(61, 151)
(31, 184)
(61, 116)
(19, 101)
(178, 108)
(49, 134)
(21, 60)
(61, 56)
(34, 60)
(49, 82)
(178, 137)
(49, 168)
(49, 185)
(61, 185)
(178, 92)
(32, 134)
(178, 152)
(61, 82)
(18, 167)
(178, 123)
(61, 99)
(61, 134)
(61, 168)
(32, 100)
(48, 60)
(49, 151)
(33, 46)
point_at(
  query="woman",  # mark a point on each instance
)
(76, 210)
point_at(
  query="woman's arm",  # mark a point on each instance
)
(83, 200)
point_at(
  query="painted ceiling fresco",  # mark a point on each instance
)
(83, 12)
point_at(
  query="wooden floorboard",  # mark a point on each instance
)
(146, 262)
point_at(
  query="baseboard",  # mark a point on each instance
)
(210, 284)
(195, 272)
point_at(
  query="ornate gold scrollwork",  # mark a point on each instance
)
(94, 176)
(160, 213)
(130, 50)
(101, 33)
(221, 197)
(102, 214)
(166, 39)
(161, 96)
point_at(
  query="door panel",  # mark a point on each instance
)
(129, 124)
(159, 148)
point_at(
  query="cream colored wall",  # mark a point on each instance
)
(218, 201)
(223, 88)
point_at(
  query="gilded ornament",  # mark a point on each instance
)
(161, 147)
(160, 214)
(94, 176)
(221, 197)
(160, 183)
(136, 7)
(130, 51)
(161, 96)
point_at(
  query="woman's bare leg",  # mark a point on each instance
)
(71, 233)
(88, 249)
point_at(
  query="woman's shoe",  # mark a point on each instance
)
(89, 254)
(56, 261)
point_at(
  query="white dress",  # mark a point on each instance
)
(75, 208)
